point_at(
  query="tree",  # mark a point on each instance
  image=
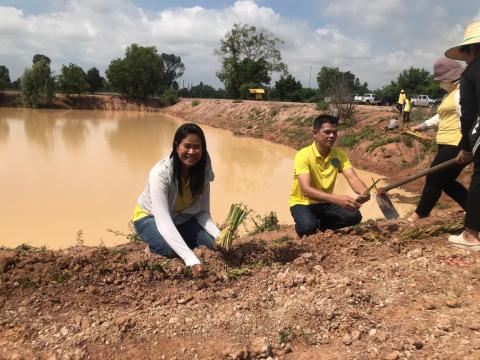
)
(139, 74)
(72, 79)
(246, 53)
(414, 81)
(95, 81)
(332, 75)
(37, 84)
(173, 68)
(4, 77)
(38, 57)
(289, 89)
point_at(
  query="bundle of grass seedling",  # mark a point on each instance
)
(236, 215)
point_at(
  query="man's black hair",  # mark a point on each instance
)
(322, 119)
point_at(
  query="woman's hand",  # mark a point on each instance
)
(197, 270)
(417, 128)
(464, 157)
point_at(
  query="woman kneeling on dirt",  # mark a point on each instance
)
(172, 214)
(447, 73)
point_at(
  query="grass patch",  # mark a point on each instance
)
(283, 239)
(237, 272)
(367, 133)
(155, 266)
(383, 141)
(321, 105)
(29, 248)
(60, 277)
(195, 103)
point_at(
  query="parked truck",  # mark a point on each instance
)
(368, 99)
(423, 100)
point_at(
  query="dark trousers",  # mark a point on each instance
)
(443, 181)
(472, 219)
(399, 107)
(406, 116)
(311, 218)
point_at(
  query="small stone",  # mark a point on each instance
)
(393, 355)
(260, 347)
(418, 345)
(372, 332)
(453, 303)
(347, 339)
(416, 253)
(474, 326)
(185, 300)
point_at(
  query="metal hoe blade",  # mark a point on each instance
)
(387, 207)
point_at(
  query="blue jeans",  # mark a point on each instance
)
(318, 217)
(192, 233)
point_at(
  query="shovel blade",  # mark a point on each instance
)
(385, 204)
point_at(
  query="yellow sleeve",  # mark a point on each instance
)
(344, 161)
(301, 163)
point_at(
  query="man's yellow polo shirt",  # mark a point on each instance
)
(323, 171)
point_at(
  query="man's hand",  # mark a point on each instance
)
(347, 202)
(417, 128)
(464, 157)
(197, 270)
(362, 199)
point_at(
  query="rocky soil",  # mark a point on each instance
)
(381, 290)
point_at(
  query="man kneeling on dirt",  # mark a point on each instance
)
(312, 204)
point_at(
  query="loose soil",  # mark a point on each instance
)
(380, 290)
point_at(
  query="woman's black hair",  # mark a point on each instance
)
(197, 172)
(467, 48)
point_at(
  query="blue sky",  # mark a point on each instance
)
(374, 39)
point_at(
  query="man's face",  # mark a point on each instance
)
(326, 135)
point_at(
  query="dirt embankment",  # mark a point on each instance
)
(86, 102)
(381, 290)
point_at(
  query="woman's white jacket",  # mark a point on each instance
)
(158, 198)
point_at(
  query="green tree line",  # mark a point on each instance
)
(249, 57)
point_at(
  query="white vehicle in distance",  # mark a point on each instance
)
(365, 99)
(422, 100)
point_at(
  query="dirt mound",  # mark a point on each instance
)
(379, 290)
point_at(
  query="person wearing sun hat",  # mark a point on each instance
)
(469, 51)
(447, 73)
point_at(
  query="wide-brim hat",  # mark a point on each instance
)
(446, 69)
(471, 36)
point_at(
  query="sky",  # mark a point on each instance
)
(374, 39)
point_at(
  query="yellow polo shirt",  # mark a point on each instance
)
(323, 171)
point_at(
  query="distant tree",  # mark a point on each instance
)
(95, 81)
(331, 75)
(72, 79)
(38, 57)
(37, 84)
(16, 85)
(139, 74)
(289, 89)
(4, 77)
(414, 80)
(173, 68)
(249, 55)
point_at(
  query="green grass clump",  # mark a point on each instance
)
(383, 141)
(366, 133)
(195, 103)
(267, 222)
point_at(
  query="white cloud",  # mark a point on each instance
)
(361, 36)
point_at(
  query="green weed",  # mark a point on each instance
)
(382, 141)
(237, 272)
(130, 236)
(195, 103)
(366, 133)
(267, 222)
(60, 277)
(282, 239)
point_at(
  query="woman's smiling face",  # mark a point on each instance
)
(190, 150)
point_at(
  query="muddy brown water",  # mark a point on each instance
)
(68, 176)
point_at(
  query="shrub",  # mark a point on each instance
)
(169, 97)
(351, 139)
(321, 105)
(268, 222)
(195, 103)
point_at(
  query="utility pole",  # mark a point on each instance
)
(310, 76)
